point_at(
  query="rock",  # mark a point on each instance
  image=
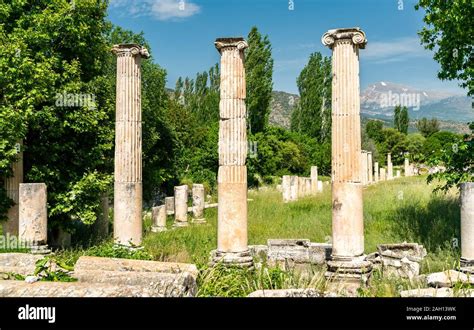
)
(401, 259)
(286, 293)
(32, 279)
(447, 279)
(298, 251)
(159, 279)
(159, 284)
(77, 289)
(18, 263)
(118, 264)
(440, 293)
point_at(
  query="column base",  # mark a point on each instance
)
(348, 274)
(129, 247)
(467, 266)
(240, 259)
(40, 249)
(158, 229)
(199, 221)
(178, 224)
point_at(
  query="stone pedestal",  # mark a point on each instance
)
(467, 224)
(286, 188)
(383, 174)
(181, 206)
(169, 205)
(320, 186)
(12, 186)
(128, 146)
(198, 204)
(398, 174)
(389, 167)
(33, 216)
(232, 246)
(347, 264)
(376, 172)
(308, 185)
(370, 167)
(407, 167)
(158, 216)
(364, 169)
(294, 188)
(314, 179)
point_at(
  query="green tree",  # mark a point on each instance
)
(396, 117)
(449, 32)
(456, 154)
(404, 121)
(400, 119)
(258, 72)
(312, 115)
(374, 130)
(427, 127)
(51, 49)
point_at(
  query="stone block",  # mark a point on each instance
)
(286, 293)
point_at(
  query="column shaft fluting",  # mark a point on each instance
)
(232, 246)
(128, 146)
(347, 212)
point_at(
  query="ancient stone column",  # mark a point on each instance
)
(33, 216)
(169, 205)
(370, 167)
(181, 206)
(158, 216)
(383, 174)
(314, 179)
(309, 188)
(198, 203)
(364, 167)
(398, 174)
(232, 245)
(301, 187)
(294, 188)
(128, 146)
(467, 224)
(389, 167)
(102, 222)
(407, 167)
(12, 186)
(286, 188)
(320, 186)
(376, 171)
(347, 206)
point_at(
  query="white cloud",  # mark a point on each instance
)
(162, 10)
(394, 50)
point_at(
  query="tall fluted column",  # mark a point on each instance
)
(12, 187)
(232, 245)
(128, 146)
(370, 169)
(347, 205)
(389, 167)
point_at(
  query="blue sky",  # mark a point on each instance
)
(181, 35)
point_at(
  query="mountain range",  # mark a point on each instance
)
(378, 101)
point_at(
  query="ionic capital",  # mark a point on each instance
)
(224, 43)
(130, 50)
(355, 35)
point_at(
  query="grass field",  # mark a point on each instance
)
(394, 211)
(404, 209)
